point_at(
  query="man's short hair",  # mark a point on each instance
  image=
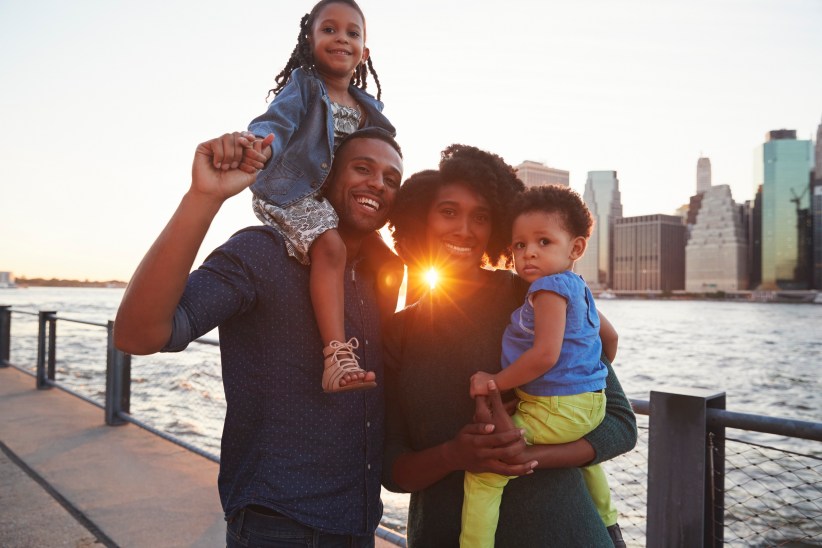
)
(370, 133)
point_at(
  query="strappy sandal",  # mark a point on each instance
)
(339, 359)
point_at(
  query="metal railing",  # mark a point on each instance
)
(686, 484)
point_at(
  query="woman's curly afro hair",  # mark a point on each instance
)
(485, 173)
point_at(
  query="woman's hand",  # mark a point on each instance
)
(492, 443)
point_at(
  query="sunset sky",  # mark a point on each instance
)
(103, 102)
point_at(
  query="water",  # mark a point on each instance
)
(766, 357)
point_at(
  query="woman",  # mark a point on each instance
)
(455, 220)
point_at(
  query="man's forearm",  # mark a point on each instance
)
(144, 319)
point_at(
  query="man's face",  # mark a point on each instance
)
(363, 184)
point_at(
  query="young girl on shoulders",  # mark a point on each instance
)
(550, 351)
(320, 98)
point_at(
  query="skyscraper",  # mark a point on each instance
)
(753, 228)
(817, 164)
(703, 175)
(785, 176)
(816, 207)
(603, 198)
(649, 253)
(537, 174)
(716, 253)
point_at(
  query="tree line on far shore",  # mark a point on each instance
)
(55, 282)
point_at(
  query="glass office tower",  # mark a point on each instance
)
(786, 168)
(604, 200)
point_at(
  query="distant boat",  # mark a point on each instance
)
(800, 296)
(607, 294)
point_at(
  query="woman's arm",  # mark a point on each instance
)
(617, 432)
(476, 448)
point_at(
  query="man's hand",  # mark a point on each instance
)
(225, 166)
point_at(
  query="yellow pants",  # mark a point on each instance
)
(546, 420)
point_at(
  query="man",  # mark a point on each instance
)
(295, 463)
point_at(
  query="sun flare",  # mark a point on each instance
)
(432, 277)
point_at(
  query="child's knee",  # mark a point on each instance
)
(328, 249)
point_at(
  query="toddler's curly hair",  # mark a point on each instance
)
(562, 200)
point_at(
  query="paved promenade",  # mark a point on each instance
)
(67, 479)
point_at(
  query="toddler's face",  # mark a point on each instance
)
(541, 246)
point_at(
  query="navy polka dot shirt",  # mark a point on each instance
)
(286, 445)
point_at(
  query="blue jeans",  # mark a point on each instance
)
(251, 529)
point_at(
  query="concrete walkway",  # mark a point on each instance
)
(67, 479)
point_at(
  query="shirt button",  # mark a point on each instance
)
(313, 184)
(368, 424)
(369, 466)
(366, 342)
(324, 165)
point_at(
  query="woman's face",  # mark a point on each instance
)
(458, 228)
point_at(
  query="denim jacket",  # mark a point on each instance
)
(300, 119)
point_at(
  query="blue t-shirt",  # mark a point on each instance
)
(578, 368)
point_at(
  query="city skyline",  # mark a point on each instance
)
(105, 102)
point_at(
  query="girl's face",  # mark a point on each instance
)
(458, 228)
(338, 40)
(541, 245)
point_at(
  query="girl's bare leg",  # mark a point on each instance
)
(328, 255)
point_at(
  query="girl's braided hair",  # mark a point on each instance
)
(302, 55)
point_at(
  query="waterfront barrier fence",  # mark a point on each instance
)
(688, 483)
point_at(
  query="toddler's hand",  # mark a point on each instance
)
(479, 383)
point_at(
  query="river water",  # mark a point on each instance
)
(766, 357)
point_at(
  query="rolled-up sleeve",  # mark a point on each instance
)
(219, 289)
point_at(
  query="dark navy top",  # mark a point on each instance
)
(287, 445)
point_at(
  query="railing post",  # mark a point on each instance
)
(118, 381)
(682, 484)
(45, 348)
(52, 351)
(5, 335)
